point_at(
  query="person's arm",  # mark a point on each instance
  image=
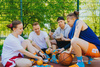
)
(23, 51)
(48, 42)
(64, 39)
(35, 45)
(62, 49)
(69, 50)
(78, 28)
(76, 34)
(51, 35)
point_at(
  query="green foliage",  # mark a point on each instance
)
(43, 11)
(89, 12)
(46, 12)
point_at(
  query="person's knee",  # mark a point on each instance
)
(33, 43)
(74, 40)
(23, 63)
(28, 64)
(26, 41)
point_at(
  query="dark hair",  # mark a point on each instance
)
(14, 24)
(35, 23)
(75, 14)
(60, 18)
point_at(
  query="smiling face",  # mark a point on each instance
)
(61, 23)
(70, 21)
(36, 28)
(19, 29)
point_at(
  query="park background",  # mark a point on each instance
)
(46, 12)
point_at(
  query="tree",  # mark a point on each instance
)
(89, 12)
(43, 11)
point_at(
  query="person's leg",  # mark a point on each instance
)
(36, 46)
(92, 52)
(79, 45)
(89, 60)
(28, 45)
(54, 46)
(23, 62)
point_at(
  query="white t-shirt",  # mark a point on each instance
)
(10, 47)
(39, 39)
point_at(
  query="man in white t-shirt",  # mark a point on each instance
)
(39, 38)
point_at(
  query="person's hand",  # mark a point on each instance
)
(60, 50)
(40, 58)
(43, 56)
(50, 33)
(53, 42)
(50, 49)
(62, 37)
(67, 51)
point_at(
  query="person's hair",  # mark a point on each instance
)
(60, 18)
(14, 24)
(35, 23)
(74, 14)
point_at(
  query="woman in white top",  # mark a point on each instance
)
(14, 48)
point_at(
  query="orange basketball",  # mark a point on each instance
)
(65, 59)
(48, 51)
(39, 62)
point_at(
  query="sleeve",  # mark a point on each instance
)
(30, 36)
(68, 30)
(15, 45)
(45, 35)
(54, 34)
(21, 39)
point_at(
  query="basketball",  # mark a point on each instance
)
(48, 51)
(65, 59)
(39, 62)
